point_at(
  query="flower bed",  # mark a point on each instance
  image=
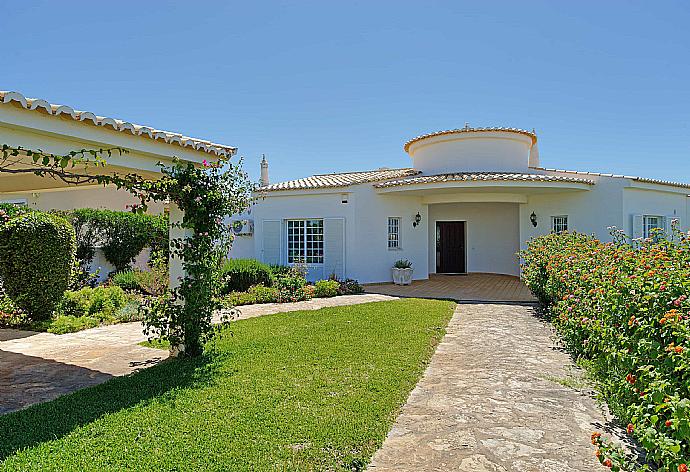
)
(623, 311)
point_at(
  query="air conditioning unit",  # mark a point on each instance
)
(242, 227)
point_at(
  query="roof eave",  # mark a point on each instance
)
(44, 108)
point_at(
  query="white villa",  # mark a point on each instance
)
(469, 202)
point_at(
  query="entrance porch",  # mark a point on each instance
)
(464, 288)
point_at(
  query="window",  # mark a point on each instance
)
(305, 241)
(16, 201)
(559, 223)
(650, 223)
(394, 232)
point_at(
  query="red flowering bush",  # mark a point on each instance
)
(623, 308)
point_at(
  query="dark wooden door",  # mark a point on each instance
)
(450, 247)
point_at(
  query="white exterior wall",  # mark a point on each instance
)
(371, 259)
(367, 257)
(610, 202)
(589, 212)
(492, 234)
(472, 152)
(637, 201)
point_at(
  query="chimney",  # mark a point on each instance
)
(264, 170)
(533, 160)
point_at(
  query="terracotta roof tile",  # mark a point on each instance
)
(339, 180)
(481, 177)
(117, 125)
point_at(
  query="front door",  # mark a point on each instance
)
(450, 247)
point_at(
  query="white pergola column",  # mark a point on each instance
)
(175, 268)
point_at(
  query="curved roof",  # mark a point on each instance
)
(467, 129)
(42, 106)
(481, 177)
(339, 180)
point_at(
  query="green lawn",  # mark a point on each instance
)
(311, 390)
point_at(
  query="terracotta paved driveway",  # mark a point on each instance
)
(36, 367)
(494, 398)
(470, 287)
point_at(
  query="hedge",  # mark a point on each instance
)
(240, 274)
(622, 309)
(121, 235)
(36, 260)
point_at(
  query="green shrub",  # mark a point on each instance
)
(150, 282)
(10, 315)
(264, 294)
(238, 299)
(351, 287)
(127, 280)
(36, 261)
(63, 324)
(255, 294)
(292, 287)
(624, 310)
(100, 302)
(129, 312)
(326, 288)
(347, 286)
(10, 210)
(121, 235)
(240, 274)
(279, 270)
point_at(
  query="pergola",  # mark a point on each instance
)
(37, 124)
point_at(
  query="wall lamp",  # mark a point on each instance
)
(533, 219)
(417, 220)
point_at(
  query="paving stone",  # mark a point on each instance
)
(485, 404)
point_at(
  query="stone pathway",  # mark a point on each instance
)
(36, 367)
(494, 399)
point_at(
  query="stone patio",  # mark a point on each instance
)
(36, 367)
(462, 288)
(499, 395)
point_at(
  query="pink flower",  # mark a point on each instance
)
(205, 163)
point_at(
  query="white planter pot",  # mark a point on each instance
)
(402, 276)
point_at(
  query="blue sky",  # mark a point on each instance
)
(324, 86)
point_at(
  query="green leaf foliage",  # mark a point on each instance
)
(36, 259)
(623, 309)
(122, 235)
(326, 288)
(240, 274)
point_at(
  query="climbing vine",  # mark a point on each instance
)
(206, 194)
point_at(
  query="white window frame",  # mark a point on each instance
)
(647, 229)
(394, 230)
(559, 223)
(310, 243)
(16, 201)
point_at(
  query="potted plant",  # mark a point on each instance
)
(402, 272)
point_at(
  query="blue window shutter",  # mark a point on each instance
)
(271, 250)
(334, 247)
